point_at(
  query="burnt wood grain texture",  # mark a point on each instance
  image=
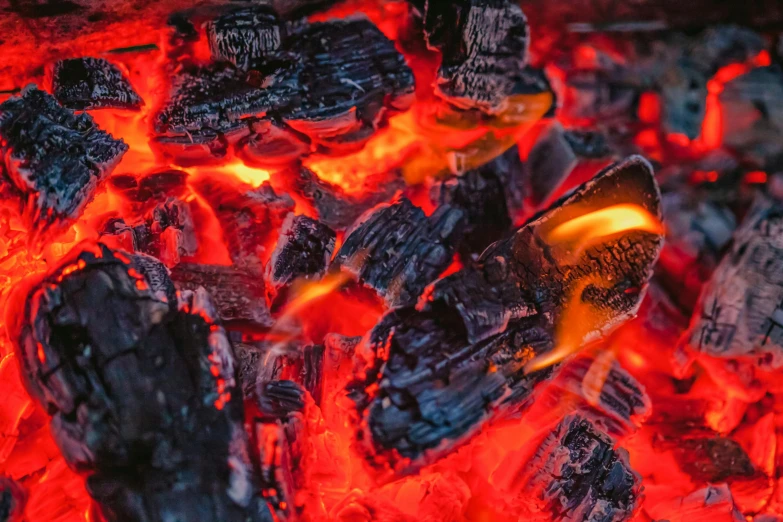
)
(444, 367)
(92, 83)
(141, 390)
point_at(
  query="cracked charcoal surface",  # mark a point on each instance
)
(397, 250)
(131, 382)
(484, 46)
(245, 35)
(54, 159)
(239, 297)
(303, 250)
(577, 475)
(92, 83)
(456, 360)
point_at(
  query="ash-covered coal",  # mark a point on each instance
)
(92, 83)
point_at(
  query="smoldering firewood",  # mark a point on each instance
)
(167, 233)
(615, 402)
(155, 186)
(445, 367)
(484, 47)
(739, 315)
(239, 296)
(54, 159)
(249, 217)
(481, 196)
(272, 145)
(157, 276)
(92, 83)
(397, 250)
(246, 35)
(13, 498)
(574, 474)
(549, 163)
(249, 356)
(296, 366)
(141, 391)
(337, 208)
(303, 250)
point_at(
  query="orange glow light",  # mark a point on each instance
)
(605, 222)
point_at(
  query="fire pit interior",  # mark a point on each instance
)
(393, 261)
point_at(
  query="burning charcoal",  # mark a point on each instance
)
(141, 391)
(549, 163)
(248, 360)
(481, 196)
(684, 90)
(280, 456)
(587, 144)
(574, 474)
(313, 371)
(304, 249)
(709, 504)
(302, 366)
(157, 276)
(349, 78)
(153, 186)
(250, 218)
(245, 35)
(754, 101)
(445, 367)
(279, 398)
(397, 250)
(92, 83)
(338, 209)
(272, 145)
(54, 159)
(484, 47)
(614, 400)
(739, 316)
(12, 500)
(238, 296)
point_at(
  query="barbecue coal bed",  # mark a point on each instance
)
(391, 261)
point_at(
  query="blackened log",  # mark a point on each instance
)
(246, 35)
(481, 196)
(12, 500)
(239, 296)
(54, 159)
(445, 367)
(740, 310)
(574, 474)
(249, 217)
(616, 403)
(303, 250)
(397, 250)
(484, 47)
(337, 208)
(141, 391)
(92, 83)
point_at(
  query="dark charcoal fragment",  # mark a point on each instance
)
(246, 35)
(54, 160)
(92, 83)
(397, 250)
(272, 145)
(575, 474)
(279, 398)
(484, 46)
(12, 500)
(549, 163)
(303, 249)
(142, 393)
(587, 144)
(445, 367)
(279, 444)
(239, 297)
(250, 218)
(158, 185)
(300, 365)
(481, 196)
(338, 209)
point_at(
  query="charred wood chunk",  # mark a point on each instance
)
(279, 398)
(754, 101)
(740, 314)
(713, 459)
(303, 249)
(250, 218)
(142, 392)
(246, 35)
(349, 78)
(613, 400)
(338, 209)
(92, 83)
(156, 186)
(12, 500)
(684, 91)
(481, 195)
(484, 47)
(313, 363)
(549, 163)
(713, 503)
(575, 474)
(239, 296)
(54, 159)
(587, 144)
(397, 250)
(281, 475)
(445, 367)
(249, 358)
(289, 365)
(272, 145)
(157, 276)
